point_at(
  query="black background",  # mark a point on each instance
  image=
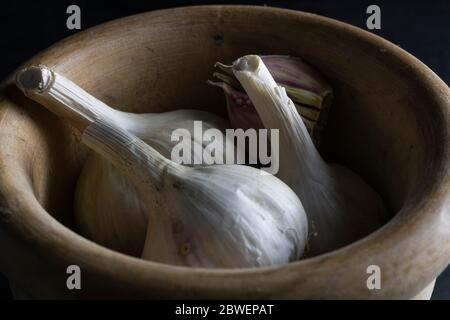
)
(420, 27)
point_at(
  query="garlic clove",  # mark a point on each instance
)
(308, 89)
(294, 74)
(341, 207)
(246, 118)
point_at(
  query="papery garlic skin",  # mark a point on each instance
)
(230, 217)
(341, 207)
(222, 216)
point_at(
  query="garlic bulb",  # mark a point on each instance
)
(341, 207)
(222, 216)
(308, 89)
(107, 208)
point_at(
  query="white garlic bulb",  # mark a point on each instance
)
(221, 216)
(341, 207)
(107, 208)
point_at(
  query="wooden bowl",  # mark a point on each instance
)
(389, 123)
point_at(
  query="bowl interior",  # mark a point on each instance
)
(379, 125)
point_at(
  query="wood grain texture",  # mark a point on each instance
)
(389, 123)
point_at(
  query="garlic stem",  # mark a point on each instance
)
(69, 101)
(62, 96)
(147, 166)
(256, 79)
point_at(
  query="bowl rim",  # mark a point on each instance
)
(269, 281)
